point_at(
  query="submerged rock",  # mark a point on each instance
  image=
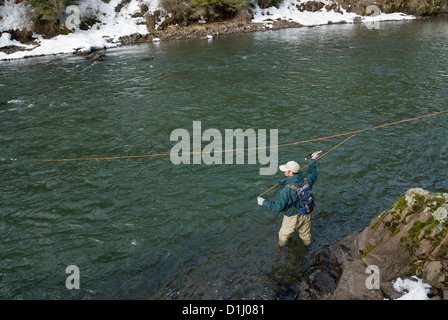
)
(408, 239)
(95, 56)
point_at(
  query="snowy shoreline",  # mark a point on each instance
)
(106, 33)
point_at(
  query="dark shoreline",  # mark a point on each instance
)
(229, 27)
(202, 31)
(216, 29)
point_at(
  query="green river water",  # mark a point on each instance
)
(145, 228)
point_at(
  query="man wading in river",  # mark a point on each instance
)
(297, 213)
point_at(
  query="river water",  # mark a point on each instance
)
(145, 228)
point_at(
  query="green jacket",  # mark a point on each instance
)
(287, 199)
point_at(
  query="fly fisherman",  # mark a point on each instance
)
(297, 213)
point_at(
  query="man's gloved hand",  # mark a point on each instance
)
(315, 155)
(260, 201)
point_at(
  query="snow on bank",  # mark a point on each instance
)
(113, 25)
(104, 34)
(14, 15)
(5, 41)
(290, 10)
(415, 290)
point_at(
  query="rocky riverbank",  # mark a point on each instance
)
(245, 22)
(107, 24)
(409, 239)
(241, 24)
(134, 23)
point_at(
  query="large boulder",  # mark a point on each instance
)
(401, 239)
(408, 239)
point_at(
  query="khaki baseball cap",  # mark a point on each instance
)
(290, 166)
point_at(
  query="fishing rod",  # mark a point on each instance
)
(309, 157)
(358, 131)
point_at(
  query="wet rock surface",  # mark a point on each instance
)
(408, 239)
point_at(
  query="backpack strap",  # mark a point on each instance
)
(296, 187)
(292, 187)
